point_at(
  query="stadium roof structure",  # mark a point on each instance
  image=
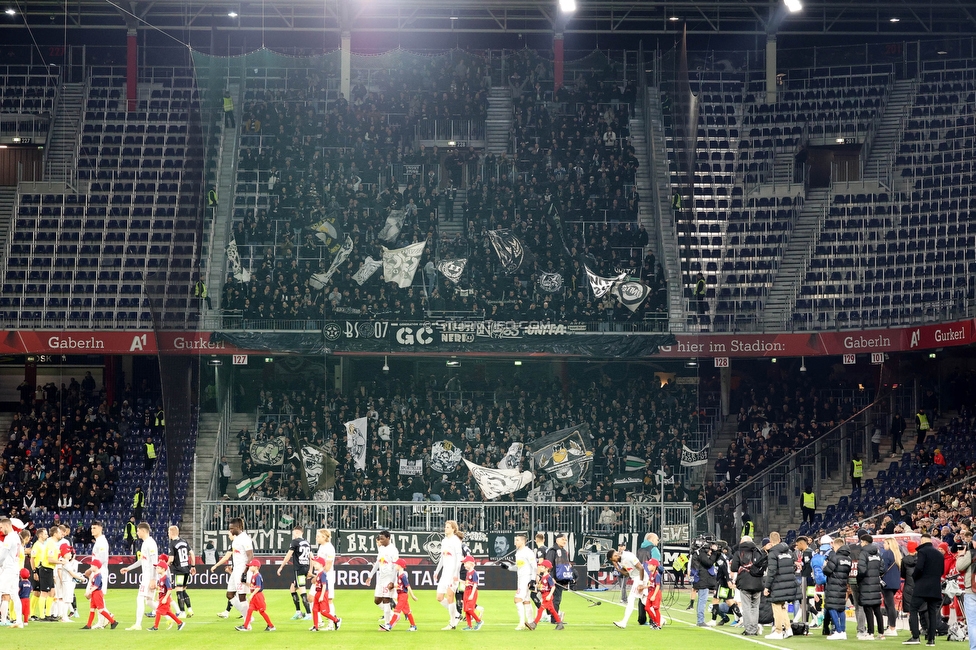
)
(867, 18)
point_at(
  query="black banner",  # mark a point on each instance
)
(451, 336)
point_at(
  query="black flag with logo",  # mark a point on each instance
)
(566, 456)
(511, 252)
(631, 294)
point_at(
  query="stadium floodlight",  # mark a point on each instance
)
(232, 14)
(567, 6)
(803, 364)
(674, 19)
(793, 6)
(894, 19)
(386, 366)
(10, 12)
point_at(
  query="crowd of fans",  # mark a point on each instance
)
(567, 192)
(65, 447)
(627, 416)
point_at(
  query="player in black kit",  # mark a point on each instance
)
(181, 563)
(540, 554)
(300, 553)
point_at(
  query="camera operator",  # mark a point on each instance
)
(704, 573)
(749, 567)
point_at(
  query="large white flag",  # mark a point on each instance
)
(511, 459)
(234, 259)
(600, 284)
(356, 441)
(692, 458)
(498, 482)
(400, 265)
(367, 270)
(319, 280)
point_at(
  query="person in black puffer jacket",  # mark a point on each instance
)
(748, 566)
(703, 568)
(908, 562)
(781, 585)
(838, 570)
(869, 584)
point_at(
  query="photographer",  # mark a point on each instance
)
(749, 566)
(705, 554)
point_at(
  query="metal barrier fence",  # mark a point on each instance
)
(674, 522)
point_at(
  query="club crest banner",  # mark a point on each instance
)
(400, 265)
(366, 271)
(550, 282)
(452, 269)
(445, 457)
(510, 251)
(600, 284)
(269, 452)
(631, 294)
(566, 456)
(498, 482)
(356, 441)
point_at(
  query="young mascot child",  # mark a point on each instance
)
(652, 603)
(404, 592)
(164, 596)
(96, 598)
(320, 595)
(24, 593)
(471, 595)
(546, 587)
(255, 585)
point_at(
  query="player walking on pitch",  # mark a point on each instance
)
(525, 572)
(148, 558)
(627, 563)
(182, 564)
(323, 537)
(447, 572)
(300, 553)
(385, 571)
(241, 552)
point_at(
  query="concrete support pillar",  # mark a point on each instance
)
(131, 69)
(345, 63)
(725, 379)
(771, 68)
(557, 61)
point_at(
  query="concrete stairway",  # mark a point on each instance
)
(63, 147)
(238, 422)
(498, 124)
(880, 159)
(646, 213)
(720, 443)
(8, 198)
(787, 278)
(655, 160)
(206, 442)
(222, 224)
(450, 228)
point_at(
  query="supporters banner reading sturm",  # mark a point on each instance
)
(356, 441)
(566, 455)
(400, 265)
(498, 482)
(692, 458)
(631, 294)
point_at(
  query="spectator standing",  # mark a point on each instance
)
(780, 585)
(897, 429)
(809, 503)
(838, 571)
(890, 581)
(225, 474)
(229, 121)
(927, 593)
(857, 471)
(869, 586)
(138, 503)
(749, 567)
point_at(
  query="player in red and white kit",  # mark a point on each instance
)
(255, 586)
(546, 587)
(627, 564)
(321, 603)
(404, 592)
(96, 598)
(471, 595)
(164, 596)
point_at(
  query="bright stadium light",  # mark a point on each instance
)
(794, 6)
(10, 12)
(567, 6)
(232, 14)
(894, 19)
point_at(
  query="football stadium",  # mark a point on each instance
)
(536, 319)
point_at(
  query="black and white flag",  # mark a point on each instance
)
(319, 280)
(400, 265)
(600, 284)
(367, 270)
(411, 467)
(550, 282)
(445, 456)
(452, 269)
(691, 458)
(234, 260)
(318, 472)
(269, 452)
(566, 456)
(511, 459)
(631, 294)
(356, 441)
(329, 231)
(498, 482)
(391, 229)
(510, 251)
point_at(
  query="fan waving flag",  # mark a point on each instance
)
(511, 252)
(511, 459)
(391, 229)
(600, 284)
(329, 231)
(452, 269)
(319, 280)
(234, 259)
(566, 455)
(631, 294)
(498, 482)
(367, 270)
(400, 265)
(634, 464)
(356, 442)
(249, 485)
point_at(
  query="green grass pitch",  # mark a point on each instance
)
(586, 627)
